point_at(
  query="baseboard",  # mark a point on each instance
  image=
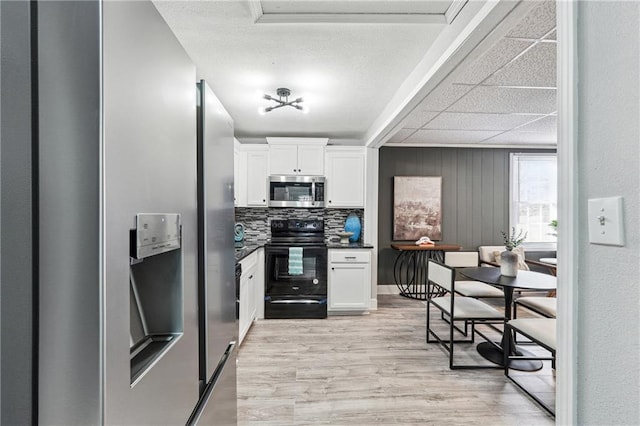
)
(388, 289)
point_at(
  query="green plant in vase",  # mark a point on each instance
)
(509, 259)
(512, 241)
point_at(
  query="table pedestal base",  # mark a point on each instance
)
(496, 356)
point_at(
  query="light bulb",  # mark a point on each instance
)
(262, 111)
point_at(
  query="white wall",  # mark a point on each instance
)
(608, 364)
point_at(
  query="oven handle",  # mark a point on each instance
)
(289, 301)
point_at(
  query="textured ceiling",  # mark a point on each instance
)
(505, 95)
(351, 59)
(346, 72)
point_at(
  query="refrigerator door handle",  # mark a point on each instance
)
(194, 418)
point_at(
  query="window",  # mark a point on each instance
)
(534, 198)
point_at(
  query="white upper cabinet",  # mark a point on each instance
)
(257, 174)
(344, 171)
(239, 176)
(296, 156)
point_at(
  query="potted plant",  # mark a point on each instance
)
(509, 259)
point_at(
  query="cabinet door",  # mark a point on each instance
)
(349, 283)
(257, 167)
(349, 286)
(243, 320)
(311, 160)
(259, 295)
(283, 159)
(251, 295)
(345, 179)
(236, 178)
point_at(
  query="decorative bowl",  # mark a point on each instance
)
(344, 236)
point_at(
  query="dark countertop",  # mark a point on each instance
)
(356, 245)
(246, 250)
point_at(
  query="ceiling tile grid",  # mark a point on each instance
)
(539, 22)
(418, 118)
(507, 101)
(495, 58)
(477, 121)
(535, 68)
(401, 135)
(502, 96)
(450, 136)
(548, 124)
(443, 96)
(519, 138)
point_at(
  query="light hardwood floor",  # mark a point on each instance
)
(371, 369)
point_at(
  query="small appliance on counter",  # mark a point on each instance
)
(296, 270)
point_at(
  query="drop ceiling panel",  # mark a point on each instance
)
(536, 24)
(489, 99)
(496, 57)
(524, 138)
(418, 118)
(443, 96)
(551, 36)
(547, 124)
(449, 136)
(535, 68)
(401, 135)
(474, 121)
(359, 7)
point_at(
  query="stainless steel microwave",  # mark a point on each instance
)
(296, 191)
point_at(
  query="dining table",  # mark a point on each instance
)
(525, 280)
(411, 267)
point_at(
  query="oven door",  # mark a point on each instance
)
(296, 296)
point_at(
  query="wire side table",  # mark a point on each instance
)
(410, 270)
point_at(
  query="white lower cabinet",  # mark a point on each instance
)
(248, 282)
(349, 286)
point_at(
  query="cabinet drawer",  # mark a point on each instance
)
(349, 256)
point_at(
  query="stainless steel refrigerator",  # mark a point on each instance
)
(217, 317)
(104, 200)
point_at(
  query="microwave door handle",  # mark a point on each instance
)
(313, 192)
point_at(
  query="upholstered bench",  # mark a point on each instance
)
(545, 306)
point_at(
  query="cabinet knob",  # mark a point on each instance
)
(333, 269)
(251, 277)
(264, 201)
(294, 170)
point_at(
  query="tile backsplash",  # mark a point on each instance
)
(257, 221)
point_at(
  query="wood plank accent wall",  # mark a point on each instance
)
(475, 195)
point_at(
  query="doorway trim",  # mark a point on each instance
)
(567, 354)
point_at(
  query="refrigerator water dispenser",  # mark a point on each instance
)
(155, 290)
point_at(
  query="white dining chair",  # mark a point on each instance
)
(457, 308)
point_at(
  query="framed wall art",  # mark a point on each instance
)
(417, 207)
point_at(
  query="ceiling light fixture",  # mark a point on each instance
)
(283, 100)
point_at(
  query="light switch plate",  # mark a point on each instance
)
(606, 224)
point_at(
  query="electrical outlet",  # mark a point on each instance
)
(606, 224)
